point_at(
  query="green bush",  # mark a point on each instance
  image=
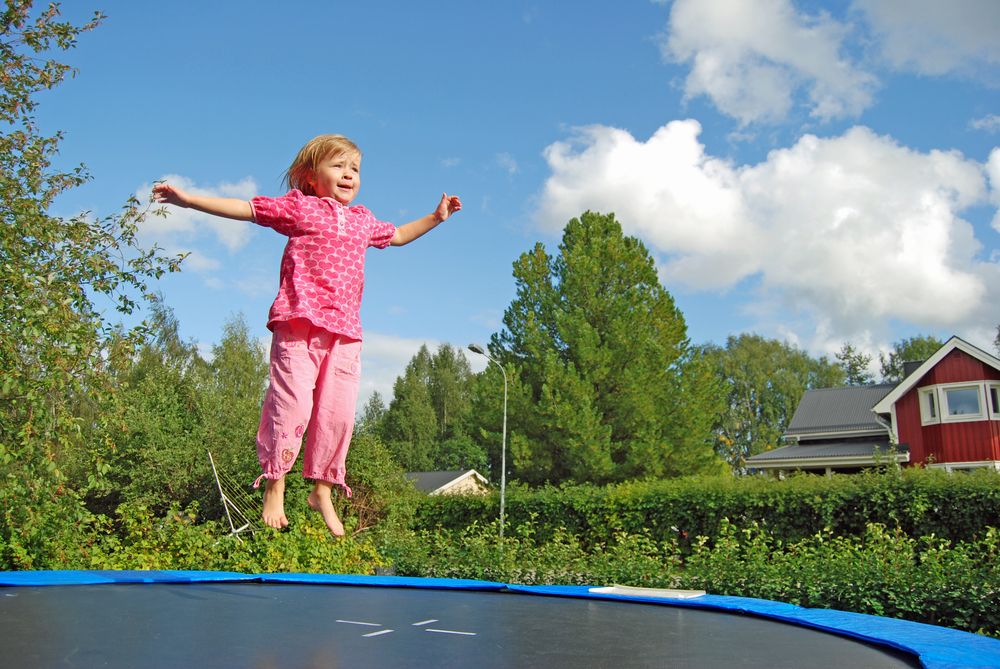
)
(914, 544)
(44, 526)
(384, 500)
(137, 539)
(918, 502)
(884, 572)
(476, 552)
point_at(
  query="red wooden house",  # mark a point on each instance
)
(948, 409)
(944, 413)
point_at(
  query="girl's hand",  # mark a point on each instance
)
(407, 233)
(167, 194)
(447, 206)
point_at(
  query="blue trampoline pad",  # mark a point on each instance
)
(339, 621)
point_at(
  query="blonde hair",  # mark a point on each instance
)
(311, 155)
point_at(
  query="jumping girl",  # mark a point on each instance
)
(315, 319)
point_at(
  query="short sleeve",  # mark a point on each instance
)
(282, 214)
(380, 233)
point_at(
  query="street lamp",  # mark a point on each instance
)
(476, 348)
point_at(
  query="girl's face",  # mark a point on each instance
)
(338, 176)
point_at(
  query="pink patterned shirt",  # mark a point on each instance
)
(323, 266)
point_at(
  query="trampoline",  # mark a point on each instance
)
(212, 619)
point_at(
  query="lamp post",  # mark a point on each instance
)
(476, 348)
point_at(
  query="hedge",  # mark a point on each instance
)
(956, 507)
(882, 572)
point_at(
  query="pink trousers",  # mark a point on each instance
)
(315, 376)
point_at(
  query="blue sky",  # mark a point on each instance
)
(817, 172)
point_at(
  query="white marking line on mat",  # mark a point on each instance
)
(431, 629)
(425, 622)
(379, 633)
(358, 622)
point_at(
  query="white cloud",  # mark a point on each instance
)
(507, 162)
(989, 123)
(861, 228)
(753, 59)
(187, 230)
(993, 172)
(933, 37)
(196, 260)
(206, 351)
(846, 234)
(681, 201)
(384, 358)
(491, 319)
(257, 283)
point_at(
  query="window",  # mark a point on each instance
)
(928, 406)
(959, 402)
(962, 402)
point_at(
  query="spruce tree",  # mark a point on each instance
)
(605, 374)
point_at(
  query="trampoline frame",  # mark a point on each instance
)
(934, 646)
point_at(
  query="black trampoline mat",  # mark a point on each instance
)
(275, 626)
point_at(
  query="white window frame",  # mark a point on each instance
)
(939, 393)
(992, 387)
(930, 408)
(946, 414)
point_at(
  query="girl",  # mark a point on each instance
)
(315, 319)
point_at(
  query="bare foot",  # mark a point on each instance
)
(274, 503)
(320, 500)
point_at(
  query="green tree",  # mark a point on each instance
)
(57, 275)
(855, 365)
(913, 349)
(372, 416)
(996, 341)
(449, 384)
(764, 379)
(174, 408)
(426, 425)
(602, 373)
(410, 425)
(450, 388)
(160, 456)
(383, 500)
(230, 391)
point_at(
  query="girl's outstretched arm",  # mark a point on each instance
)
(414, 229)
(217, 206)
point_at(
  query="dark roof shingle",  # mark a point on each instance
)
(832, 410)
(850, 449)
(431, 481)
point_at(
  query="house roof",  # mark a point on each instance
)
(907, 384)
(835, 412)
(830, 454)
(432, 482)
